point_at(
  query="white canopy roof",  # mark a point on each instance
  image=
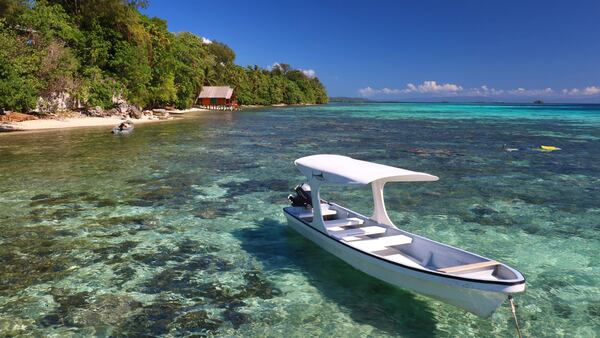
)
(346, 170)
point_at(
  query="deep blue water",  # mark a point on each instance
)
(177, 229)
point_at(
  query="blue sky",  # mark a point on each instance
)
(496, 50)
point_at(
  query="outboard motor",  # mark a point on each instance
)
(302, 198)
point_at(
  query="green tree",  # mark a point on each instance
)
(96, 89)
(131, 67)
(223, 54)
(98, 49)
(162, 89)
(190, 62)
(48, 22)
(18, 84)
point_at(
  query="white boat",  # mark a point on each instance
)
(377, 247)
(123, 128)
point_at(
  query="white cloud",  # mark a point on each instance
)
(587, 91)
(592, 90)
(310, 73)
(427, 87)
(530, 92)
(206, 41)
(390, 91)
(367, 91)
(483, 90)
(435, 89)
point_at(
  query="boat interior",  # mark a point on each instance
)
(398, 246)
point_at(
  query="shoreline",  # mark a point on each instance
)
(86, 122)
(39, 125)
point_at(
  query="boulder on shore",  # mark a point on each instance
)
(113, 112)
(94, 112)
(162, 114)
(135, 112)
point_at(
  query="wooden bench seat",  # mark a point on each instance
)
(351, 234)
(382, 243)
(325, 212)
(469, 267)
(343, 222)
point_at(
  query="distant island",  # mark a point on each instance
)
(83, 55)
(348, 99)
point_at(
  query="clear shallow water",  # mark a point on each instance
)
(177, 229)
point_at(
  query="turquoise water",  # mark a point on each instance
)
(177, 229)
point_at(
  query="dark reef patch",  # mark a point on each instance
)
(486, 216)
(68, 304)
(106, 310)
(34, 255)
(171, 280)
(197, 322)
(49, 200)
(151, 320)
(236, 189)
(593, 309)
(214, 209)
(160, 257)
(131, 224)
(258, 286)
(561, 309)
(226, 297)
(124, 273)
(235, 317)
(116, 250)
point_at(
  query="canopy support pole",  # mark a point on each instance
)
(315, 188)
(379, 213)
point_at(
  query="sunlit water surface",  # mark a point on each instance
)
(177, 229)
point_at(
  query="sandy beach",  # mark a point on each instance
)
(75, 122)
(84, 121)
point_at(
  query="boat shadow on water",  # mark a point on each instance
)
(367, 300)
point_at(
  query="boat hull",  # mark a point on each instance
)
(123, 131)
(480, 298)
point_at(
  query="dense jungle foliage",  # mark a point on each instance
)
(96, 50)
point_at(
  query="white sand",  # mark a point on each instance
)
(75, 122)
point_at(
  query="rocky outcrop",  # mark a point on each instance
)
(123, 110)
(113, 112)
(8, 120)
(162, 114)
(94, 112)
(16, 117)
(135, 112)
(53, 103)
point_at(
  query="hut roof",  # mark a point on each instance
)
(224, 92)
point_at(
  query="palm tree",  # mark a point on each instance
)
(211, 77)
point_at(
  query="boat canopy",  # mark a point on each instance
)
(337, 169)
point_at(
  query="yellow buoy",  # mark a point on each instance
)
(549, 148)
